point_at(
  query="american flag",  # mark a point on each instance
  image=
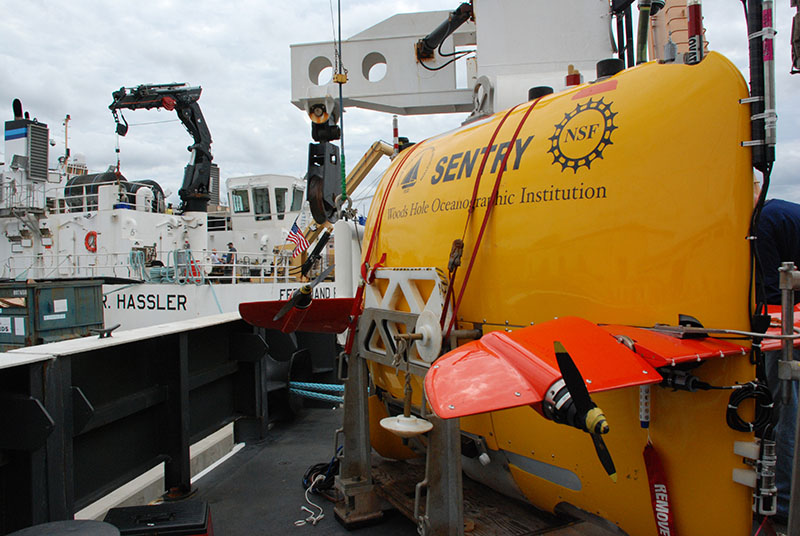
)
(296, 236)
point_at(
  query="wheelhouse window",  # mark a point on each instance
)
(261, 204)
(280, 201)
(240, 201)
(297, 199)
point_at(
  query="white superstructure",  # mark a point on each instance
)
(57, 225)
(386, 75)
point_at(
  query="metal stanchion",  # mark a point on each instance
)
(788, 372)
(360, 505)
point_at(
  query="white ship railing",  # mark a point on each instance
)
(253, 267)
(48, 266)
(179, 266)
(85, 197)
(28, 196)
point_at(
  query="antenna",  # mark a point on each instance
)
(66, 138)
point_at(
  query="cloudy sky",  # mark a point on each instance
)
(67, 57)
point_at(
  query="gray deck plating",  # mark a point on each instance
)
(259, 491)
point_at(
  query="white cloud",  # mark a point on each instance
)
(68, 58)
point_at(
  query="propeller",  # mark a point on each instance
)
(316, 253)
(301, 298)
(589, 416)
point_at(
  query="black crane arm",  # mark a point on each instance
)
(428, 44)
(183, 100)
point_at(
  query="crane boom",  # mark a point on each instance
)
(183, 99)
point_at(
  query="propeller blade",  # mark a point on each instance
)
(291, 302)
(298, 294)
(593, 417)
(315, 254)
(573, 379)
(321, 277)
(604, 456)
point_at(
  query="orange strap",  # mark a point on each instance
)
(367, 276)
(367, 273)
(382, 207)
(483, 165)
(489, 207)
(470, 210)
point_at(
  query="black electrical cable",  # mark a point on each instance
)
(329, 470)
(445, 54)
(462, 54)
(763, 161)
(764, 408)
(454, 52)
(755, 267)
(457, 53)
(762, 197)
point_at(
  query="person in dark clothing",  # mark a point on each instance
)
(229, 259)
(778, 241)
(230, 256)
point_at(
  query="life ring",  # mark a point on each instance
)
(194, 269)
(91, 241)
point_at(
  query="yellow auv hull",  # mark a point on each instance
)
(626, 201)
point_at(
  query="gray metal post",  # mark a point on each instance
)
(789, 279)
(444, 508)
(787, 321)
(770, 119)
(360, 504)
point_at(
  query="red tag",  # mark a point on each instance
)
(595, 89)
(168, 103)
(659, 493)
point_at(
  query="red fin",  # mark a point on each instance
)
(331, 315)
(505, 370)
(775, 327)
(660, 349)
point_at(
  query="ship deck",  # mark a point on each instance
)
(259, 491)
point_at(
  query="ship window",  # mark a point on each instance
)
(261, 204)
(280, 201)
(240, 201)
(297, 199)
